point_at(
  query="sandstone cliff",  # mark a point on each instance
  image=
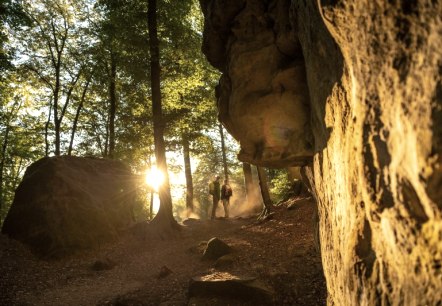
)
(356, 88)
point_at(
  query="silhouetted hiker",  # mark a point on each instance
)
(226, 193)
(214, 190)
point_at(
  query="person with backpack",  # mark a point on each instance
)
(214, 190)
(226, 193)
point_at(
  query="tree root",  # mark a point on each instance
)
(265, 215)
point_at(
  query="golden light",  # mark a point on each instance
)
(154, 178)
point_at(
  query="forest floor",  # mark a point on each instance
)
(280, 252)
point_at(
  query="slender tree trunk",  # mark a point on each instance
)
(152, 191)
(106, 139)
(47, 130)
(165, 213)
(188, 173)
(56, 102)
(152, 194)
(2, 164)
(248, 182)
(77, 115)
(16, 174)
(223, 149)
(113, 105)
(264, 192)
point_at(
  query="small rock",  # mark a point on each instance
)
(164, 271)
(105, 264)
(215, 249)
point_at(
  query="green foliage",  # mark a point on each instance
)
(20, 138)
(279, 184)
(11, 17)
(93, 34)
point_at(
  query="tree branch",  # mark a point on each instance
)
(41, 77)
(69, 93)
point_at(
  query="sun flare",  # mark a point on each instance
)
(154, 178)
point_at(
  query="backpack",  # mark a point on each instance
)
(228, 191)
(211, 188)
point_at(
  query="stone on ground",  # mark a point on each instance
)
(65, 204)
(224, 285)
(215, 249)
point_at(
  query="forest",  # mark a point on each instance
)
(78, 78)
(121, 119)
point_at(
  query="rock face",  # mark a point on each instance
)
(65, 204)
(262, 96)
(374, 107)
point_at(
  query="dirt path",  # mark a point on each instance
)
(280, 252)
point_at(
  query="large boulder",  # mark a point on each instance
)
(65, 204)
(374, 75)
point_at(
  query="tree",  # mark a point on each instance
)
(248, 182)
(264, 193)
(77, 113)
(20, 136)
(11, 17)
(88, 73)
(188, 173)
(165, 215)
(223, 150)
(7, 117)
(52, 45)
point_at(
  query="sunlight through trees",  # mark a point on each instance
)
(76, 79)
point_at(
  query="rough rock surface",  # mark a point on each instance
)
(225, 284)
(374, 108)
(216, 248)
(263, 95)
(65, 204)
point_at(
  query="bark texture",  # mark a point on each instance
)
(165, 215)
(188, 173)
(374, 110)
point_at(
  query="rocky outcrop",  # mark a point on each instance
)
(65, 204)
(374, 108)
(262, 95)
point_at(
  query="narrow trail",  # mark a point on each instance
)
(280, 252)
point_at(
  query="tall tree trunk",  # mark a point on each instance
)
(106, 139)
(165, 213)
(56, 95)
(152, 198)
(77, 115)
(152, 191)
(63, 110)
(223, 149)
(47, 130)
(15, 177)
(2, 163)
(264, 193)
(113, 105)
(248, 182)
(188, 173)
